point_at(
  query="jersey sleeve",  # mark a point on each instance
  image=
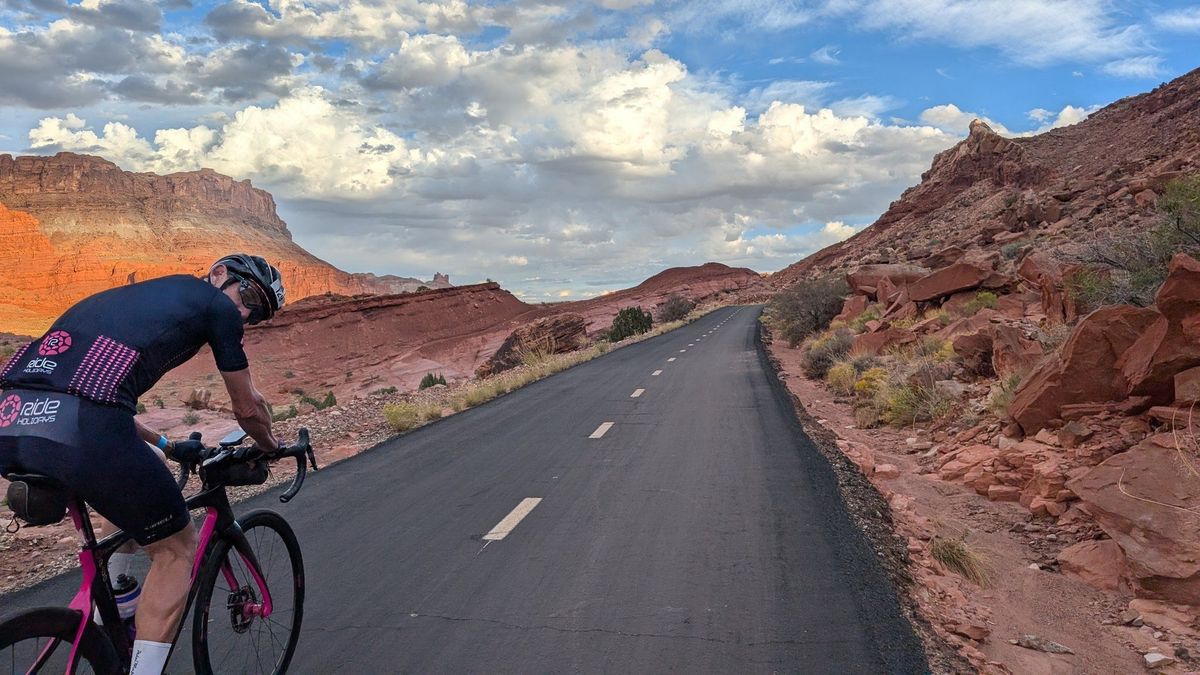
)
(225, 335)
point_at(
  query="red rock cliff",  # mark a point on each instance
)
(72, 225)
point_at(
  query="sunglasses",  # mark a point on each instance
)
(252, 298)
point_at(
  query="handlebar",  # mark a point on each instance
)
(212, 457)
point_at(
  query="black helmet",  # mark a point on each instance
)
(264, 275)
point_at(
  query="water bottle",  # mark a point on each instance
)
(127, 591)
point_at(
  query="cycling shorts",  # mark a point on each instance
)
(95, 452)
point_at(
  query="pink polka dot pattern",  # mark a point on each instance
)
(105, 365)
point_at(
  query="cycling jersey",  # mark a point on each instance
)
(114, 346)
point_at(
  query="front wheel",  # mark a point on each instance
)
(230, 633)
(39, 641)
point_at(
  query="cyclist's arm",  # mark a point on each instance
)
(150, 436)
(250, 408)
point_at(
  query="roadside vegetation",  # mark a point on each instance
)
(628, 322)
(805, 308)
(538, 361)
(1127, 267)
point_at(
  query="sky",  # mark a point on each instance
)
(567, 148)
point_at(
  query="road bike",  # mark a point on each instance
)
(247, 583)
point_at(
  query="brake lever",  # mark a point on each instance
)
(219, 457)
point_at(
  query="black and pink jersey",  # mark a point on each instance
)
(113, 346)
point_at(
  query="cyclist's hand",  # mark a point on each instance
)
(190, 451)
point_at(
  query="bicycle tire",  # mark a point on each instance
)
(56, 623)
(255, 525)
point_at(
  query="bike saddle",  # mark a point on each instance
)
(36, 499)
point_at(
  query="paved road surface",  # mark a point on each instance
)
(690, 528)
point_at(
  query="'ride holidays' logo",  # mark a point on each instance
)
(53, 344)
(27, 413)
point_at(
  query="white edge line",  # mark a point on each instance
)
(504, 527)
(637, 392)
(601, 430)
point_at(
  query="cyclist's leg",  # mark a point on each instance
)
(122, 559)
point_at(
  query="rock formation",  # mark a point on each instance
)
(556, 334)
(72, 225)
(1048, 190)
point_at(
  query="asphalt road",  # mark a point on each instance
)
(701, 533)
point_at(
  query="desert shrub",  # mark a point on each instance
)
(288, 374)
(675, 308)
(863, 363)
(158, 402)
(867, 417)
(982, 300)
(401, 416)
(430, 380)
(328, 401)
(191, 418)
(934, 349)
(383, 391)
(288, 414)
(823, 352)
(141, 407)
(870, 382)
(841, 377)
(959, 557)
(480, 393)
(859, 323)
(1093, 288)
(456, 404)
(1010, 251)
(907, 404)
(431, 412)
(1127, 266)
(601, 347)
(628, 322)
(1002, 394)
(806, 307)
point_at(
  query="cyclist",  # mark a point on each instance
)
(69, 398)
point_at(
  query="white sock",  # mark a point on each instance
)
(118, 564)
(149, 658)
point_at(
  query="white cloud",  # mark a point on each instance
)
(1186, 20)
(518, 260)
(827, 55)
(1031, 32)
(1137, 67)
(303, 144)
(1069, 115)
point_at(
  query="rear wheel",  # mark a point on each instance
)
(229, 632)
(39, 641)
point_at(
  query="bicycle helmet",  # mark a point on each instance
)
(261, 273)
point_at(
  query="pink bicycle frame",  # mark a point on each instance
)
(84, 601)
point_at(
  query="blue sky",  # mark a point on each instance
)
(566, 148)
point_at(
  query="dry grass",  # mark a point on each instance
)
(1002, 394)
(401, 416)
(959, 557)
(538, 362)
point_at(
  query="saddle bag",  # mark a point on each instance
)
(36, 501)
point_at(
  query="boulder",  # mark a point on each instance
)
(1167, 347)
(943, 258)
(1085, 370)
(1072, 434)
(960, 276)
(1004, 493)
(873, 344)
(886, 291)
(1187, 386)
(1098, 563)
(1148, 501)
(550, 335)
(1046, 274)
(854, 306)
(956, 464)
(997, 349)
(865, 279)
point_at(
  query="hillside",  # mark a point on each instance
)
(72, 225)
(1051, 190)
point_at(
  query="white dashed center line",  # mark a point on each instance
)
(510, 521)
(637, 393)
(601, 430)
(670, 359)
(656, 373)
(682, 351)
